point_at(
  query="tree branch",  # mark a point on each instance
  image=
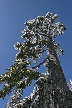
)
(39, 64)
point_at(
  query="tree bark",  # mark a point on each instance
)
(60, 87)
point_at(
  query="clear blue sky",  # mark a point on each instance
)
(13, 14)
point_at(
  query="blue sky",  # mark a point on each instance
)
(13, 14)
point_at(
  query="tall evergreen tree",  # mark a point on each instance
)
(51, 90)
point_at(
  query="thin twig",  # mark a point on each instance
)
(39, 64)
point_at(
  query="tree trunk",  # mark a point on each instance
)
(60, 86)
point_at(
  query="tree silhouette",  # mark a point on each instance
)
(51, 89)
